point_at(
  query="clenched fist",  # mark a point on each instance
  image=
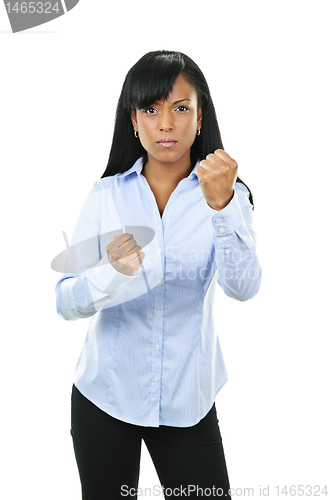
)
(217, 175)
(124, 254)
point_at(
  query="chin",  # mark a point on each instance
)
(169, 156)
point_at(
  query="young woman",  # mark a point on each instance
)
(151, 365)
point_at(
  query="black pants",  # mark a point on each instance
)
(189, 461)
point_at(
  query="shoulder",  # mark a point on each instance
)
(113, 181)
(101, 184)
(105, 184)
(98, 192)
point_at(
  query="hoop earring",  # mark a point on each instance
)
(198, 132)
(136, 133)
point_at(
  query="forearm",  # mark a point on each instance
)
(238, 267)
(239, 271)
(83, 295)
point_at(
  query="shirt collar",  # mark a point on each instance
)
(138, 165)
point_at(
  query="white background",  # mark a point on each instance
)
(267, 65)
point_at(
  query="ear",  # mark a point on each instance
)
(199, 116)
(133, 118)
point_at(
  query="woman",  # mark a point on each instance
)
(151, 365)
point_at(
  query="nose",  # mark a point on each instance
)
(166, 120)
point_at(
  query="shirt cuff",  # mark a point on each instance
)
(228, 219)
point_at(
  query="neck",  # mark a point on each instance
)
(167, 174)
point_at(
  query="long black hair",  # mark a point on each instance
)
(149, 80)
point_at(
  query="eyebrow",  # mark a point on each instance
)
(176, 102)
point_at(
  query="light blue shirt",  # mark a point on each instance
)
(152, 354)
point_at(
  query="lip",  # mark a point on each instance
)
(167, 143)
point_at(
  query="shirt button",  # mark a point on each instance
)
(220, 219)
(221, 230)
(157, 347)
(156, 379)
(158, 314)
(160, 283)
(227, 252)
(159, 250)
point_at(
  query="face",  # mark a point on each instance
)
(167, 129)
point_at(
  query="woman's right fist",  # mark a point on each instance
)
(124, 254)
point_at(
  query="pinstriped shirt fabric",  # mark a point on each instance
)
(152, 353)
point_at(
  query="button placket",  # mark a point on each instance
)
(156, 368)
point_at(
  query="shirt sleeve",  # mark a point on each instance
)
(238, 267)
(98, 284)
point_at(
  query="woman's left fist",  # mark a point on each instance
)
(217, 175)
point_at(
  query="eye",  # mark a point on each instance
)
(149, 111)
(183, 108)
